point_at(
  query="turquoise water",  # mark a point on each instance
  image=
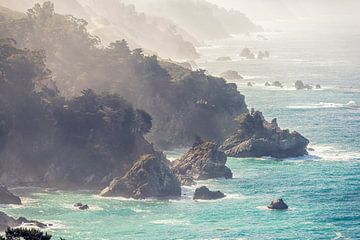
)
(322, 189)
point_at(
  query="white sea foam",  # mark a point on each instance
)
(139, 210)
(93, 208)
(332, 153)
(327, 105)
(265, 208)
(172, 222)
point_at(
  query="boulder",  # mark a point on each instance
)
(249, 84)
(277, 84)
(278, 204)
(245, 53)
(231, 75)
(6, 197)
(204, 193)
(7, 221)
(318, 86)
(223, 59)
(149, 177)
(202, 161)
(256, 137)
(267, 84)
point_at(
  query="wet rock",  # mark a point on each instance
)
(256, 137)
(318, 86)
(81, 206)
(203, 161)
(231, 75)
(149, 177)
(6, 197)
(204, 193)
(7, 221)
(267, 84)
(249, 84)
(299, 85)
(266, 54)
(278, 204)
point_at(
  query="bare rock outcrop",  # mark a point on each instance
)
(149, 177)
(6, 197)
(204, 193)
(7, 221)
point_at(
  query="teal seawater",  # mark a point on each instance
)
(322, 189)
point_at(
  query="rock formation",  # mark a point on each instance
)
(81, 206)
(251, 56)
(266, 54)
(7, 221)
(231, 75)
(6, 197)
(299, 85)
(202, 161)
(278, 204)
(205, 194)
(256, 137)
(318, 86)
(149, 177)
(245, 53)
(277, 84)
(267, 84)
(249, 84)
(260, 55)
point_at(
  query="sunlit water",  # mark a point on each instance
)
(322, 189)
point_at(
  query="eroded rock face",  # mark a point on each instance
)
(150, 177)
(256, 137)
(6, 197)
(7, 221)
(278, 204)
(205, 194)
(202, 161)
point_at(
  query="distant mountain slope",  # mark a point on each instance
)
(111, 20)
(200, 18)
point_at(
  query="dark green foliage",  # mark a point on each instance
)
(25, 234)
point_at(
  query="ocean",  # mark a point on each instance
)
(321, 189)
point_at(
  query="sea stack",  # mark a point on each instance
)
(203, 161)
(150, 177)
(256, 137)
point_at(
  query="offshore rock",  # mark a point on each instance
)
(202, 161)
(278, 204)
(256, 137)
(231, 75)
(7, 221)
(149, 177)
(204, 193)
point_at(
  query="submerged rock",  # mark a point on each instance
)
(7, 221)
(6, 197)
(278, 204)
(202, 161)
(205, 194)
(149, 177)
(231, 75)
(256, 137)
